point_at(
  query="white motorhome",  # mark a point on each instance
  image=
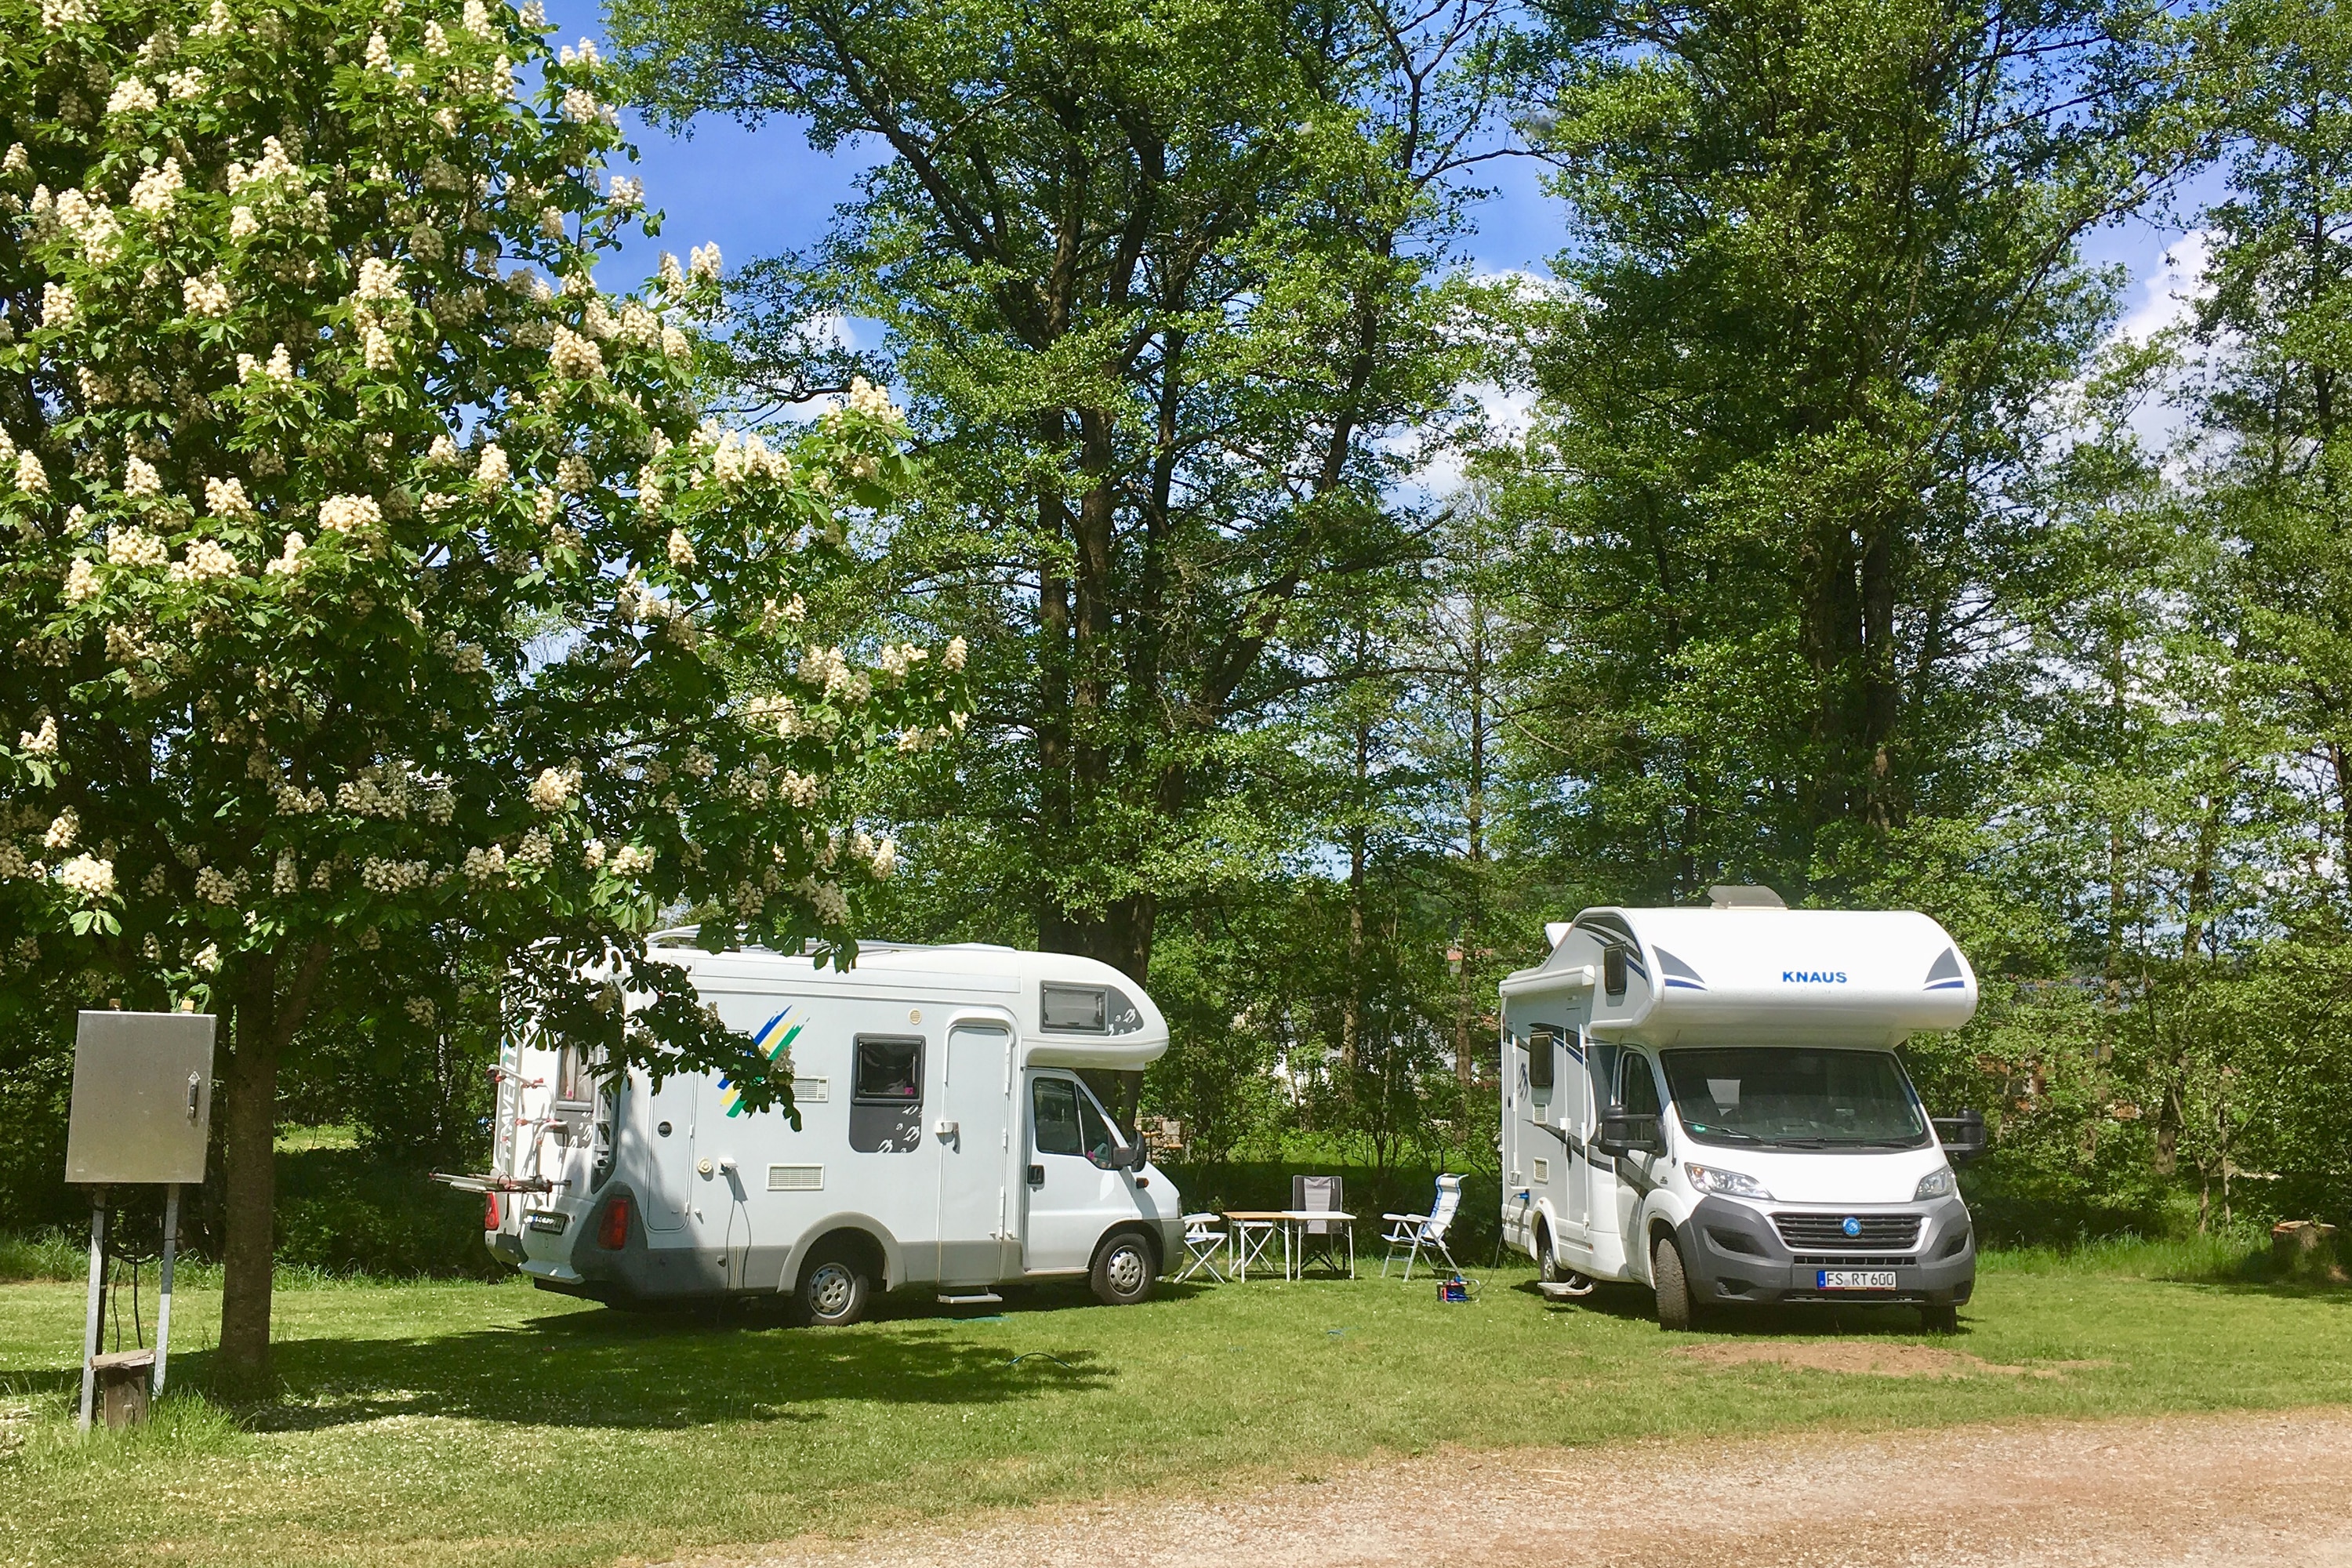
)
(1709, 1101)
(946, 1140)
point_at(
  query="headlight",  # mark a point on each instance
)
(1938, 1182)
(1726, 1184)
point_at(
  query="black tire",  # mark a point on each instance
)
(1547, 1265)
(1124, 1272)
(1676, 1310)
(1940, 1320)
(834, 1290)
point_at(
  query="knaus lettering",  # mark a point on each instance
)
(1812, 977)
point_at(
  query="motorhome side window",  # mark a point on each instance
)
(1543, 1051)
(574, 1085)
(1087, 1010)
(1639, 1091)
(886, 1099)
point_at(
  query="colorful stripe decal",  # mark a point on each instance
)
(773, 1040)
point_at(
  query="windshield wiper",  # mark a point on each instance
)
(1727, 1132)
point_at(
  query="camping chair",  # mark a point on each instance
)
(1316, 1195)
(1202, 1238)
(1420, 1233)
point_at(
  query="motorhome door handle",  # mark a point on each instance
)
(195, 1085)
(1037, 1175)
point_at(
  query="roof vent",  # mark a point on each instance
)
(1731, 896)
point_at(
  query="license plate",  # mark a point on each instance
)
(1853, 1279)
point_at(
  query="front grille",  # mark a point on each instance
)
(1827, 1230)
(1859, 1260)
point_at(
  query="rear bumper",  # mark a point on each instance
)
(1731, 1253)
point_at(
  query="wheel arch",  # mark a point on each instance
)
(868, 1239)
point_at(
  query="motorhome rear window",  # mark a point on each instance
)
(1795, 1098)
(1075, 1009)
(889, 1071)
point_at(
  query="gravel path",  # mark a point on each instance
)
(2236, 1490)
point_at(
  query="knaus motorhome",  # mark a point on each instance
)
(1709, 1101)
(947, 1140)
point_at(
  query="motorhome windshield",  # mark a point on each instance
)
(1795, 1098)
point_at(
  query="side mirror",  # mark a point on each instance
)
(1620, 1133)
(1963, 1136)
(1138, 1154)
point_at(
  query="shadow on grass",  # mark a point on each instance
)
(637, 1370)
(1635, 1303)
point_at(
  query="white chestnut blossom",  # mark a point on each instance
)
(207, 561)
(185, 83)
(139, 478)
(205, 295)
(64, 828)
(575, 356)
(226, 499)
(703, 260)
(628, 194)
(379, 281)
(213, 888)
(134, 547)
(554, 788)
(82, 582)
(952, 657)
(154, 192)
(88, 878)
(379, 52)
(580, 106)
(681, 548)
(58, 305)
(41, 742)
(484, 865)
(130, 96)
(490, 471)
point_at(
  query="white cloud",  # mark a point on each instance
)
(2171, 292)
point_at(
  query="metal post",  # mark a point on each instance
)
(90, 1319)
(164, 1307)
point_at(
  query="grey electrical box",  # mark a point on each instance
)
(143, 1097)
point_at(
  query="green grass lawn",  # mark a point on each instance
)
(458, 1423)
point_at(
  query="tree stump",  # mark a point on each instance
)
(2305, 1250)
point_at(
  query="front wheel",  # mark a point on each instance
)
(834, 1292)
(1124, 1272)
(1547, 1265)
(1944, 1318)
(1675, 1309)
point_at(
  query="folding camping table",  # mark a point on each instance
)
(1292, 1224)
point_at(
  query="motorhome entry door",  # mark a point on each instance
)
(664, 1125)
(973, 1126)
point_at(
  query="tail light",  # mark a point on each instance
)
(613, 1226)
(490, 1211)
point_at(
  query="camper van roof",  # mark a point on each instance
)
(978, 973)
(1744, 971)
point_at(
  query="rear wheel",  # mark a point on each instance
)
(1675, 1309)
(833, 1290)
(1124, 1270)
(1940, 1320)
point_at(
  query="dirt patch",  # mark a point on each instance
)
(2211, 1492)
(1876, 1359)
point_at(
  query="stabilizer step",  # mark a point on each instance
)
(983, 1299)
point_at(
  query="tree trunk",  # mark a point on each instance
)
(251, 1185)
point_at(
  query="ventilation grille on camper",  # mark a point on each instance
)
(1821, 1232)
(795, 1178)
